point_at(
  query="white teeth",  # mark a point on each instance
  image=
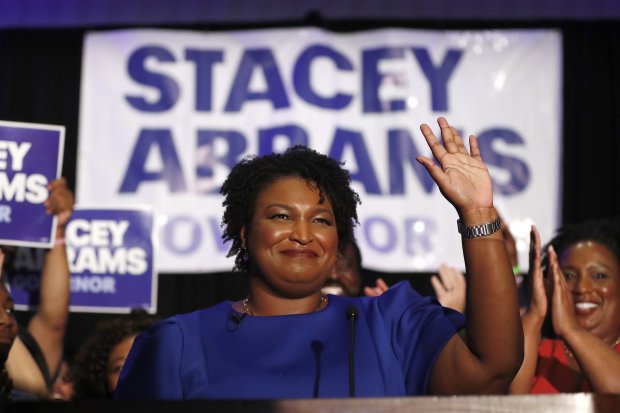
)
(585, 306)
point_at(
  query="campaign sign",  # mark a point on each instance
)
(175, 110)
(30, 158)
(111, 256)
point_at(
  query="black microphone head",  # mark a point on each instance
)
(352, 312)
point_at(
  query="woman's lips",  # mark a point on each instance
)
(585, 308)
(299, 253)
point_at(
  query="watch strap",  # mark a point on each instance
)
(481, 230)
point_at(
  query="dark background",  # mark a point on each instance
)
(40, 68)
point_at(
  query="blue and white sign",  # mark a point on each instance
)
(166, 114)
(111, 256)
(30, 158)
(112, 259)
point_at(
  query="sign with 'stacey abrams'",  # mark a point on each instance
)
(111, 255)
(30, 158)
(166, 114)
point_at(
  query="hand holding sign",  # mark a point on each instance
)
(60, 203)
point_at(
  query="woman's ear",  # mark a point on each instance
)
(243, 237)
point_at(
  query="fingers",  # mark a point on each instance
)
(438, 287)
(379, 288)
(559, 283)
(433, 143)
(449, 286)
(460, 146)
(381, 285)
(474, 149)
(60, 197)
(535, 252)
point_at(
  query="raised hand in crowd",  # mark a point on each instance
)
(379, 288)
(46, 330)
(450, 287)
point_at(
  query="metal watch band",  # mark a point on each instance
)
(478, 230)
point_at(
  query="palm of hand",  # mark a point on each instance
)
(539, 302)
(467, 183)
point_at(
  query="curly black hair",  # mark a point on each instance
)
(88, 371)
(253, 174)
(603, 231)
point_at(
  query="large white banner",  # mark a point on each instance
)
(165, 115)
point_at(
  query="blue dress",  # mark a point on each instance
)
(218, 353)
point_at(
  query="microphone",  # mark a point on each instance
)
(317, 348)
(234, 321)
(352, 314)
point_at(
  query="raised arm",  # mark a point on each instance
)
(494, 349)
(48, 324)
(532, 320)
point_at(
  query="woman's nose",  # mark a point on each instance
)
(582, 284)
(301, 232)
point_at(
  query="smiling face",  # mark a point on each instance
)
(593, 274)
(292, 239)
(345, 277)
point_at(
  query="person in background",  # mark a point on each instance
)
(287, 216)
(36, 355)
(63, 385)
(100, 358)
(346, 275)
(8, 332)
(583, 269)
(450, 284)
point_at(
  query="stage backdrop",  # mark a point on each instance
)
(165, 114)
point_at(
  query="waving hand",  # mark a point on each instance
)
(463, 179)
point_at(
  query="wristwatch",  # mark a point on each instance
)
(478, 230)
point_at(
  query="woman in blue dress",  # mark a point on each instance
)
(287, 216)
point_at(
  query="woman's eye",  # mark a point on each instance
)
(323, 221)
(599, 276)
(569, 275)
(279, 216)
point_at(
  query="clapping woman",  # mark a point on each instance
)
(583, 268)
(287, 216)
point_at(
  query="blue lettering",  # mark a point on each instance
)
(384, 225)
(418, 236)
(301, 77)
(204, 60)
(159, 140)
(294, 135)
(518, 169)
(187, 226)
(264, 60)
(438, 76)
(168, 89)
(401, 149)
(208, 159)
(365, 172)
(371, 79)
